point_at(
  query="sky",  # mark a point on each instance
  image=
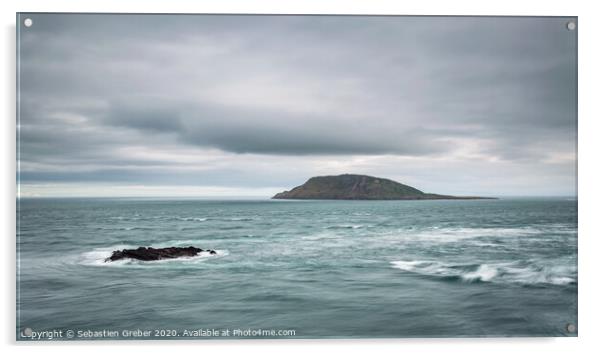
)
(223, 106)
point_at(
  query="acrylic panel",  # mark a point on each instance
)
(197, 177)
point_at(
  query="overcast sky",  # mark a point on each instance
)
(198, 105)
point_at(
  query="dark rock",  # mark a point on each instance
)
(155, 254)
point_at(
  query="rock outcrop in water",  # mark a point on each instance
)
(359, 187)
(155, 254)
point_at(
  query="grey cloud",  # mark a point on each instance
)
(294, 86)
(269, 131)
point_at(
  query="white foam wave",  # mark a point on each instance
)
(239, 219)
(192, 219)
(408, 265)
(345, 226)
(551, 274)
(481, 236)
(422, 267)
(513, 272)
(483, 273)
(461, 233)
(562, 280)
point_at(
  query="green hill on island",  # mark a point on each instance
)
(359, 187)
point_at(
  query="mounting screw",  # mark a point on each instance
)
(571, 328)
(571, 26)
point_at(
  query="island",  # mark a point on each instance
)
(360, 187)
(156, 254)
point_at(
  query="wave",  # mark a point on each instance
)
(226, 219)
(345, 226)
(513, 272)
(488, 237)
(136, 217)
(192, 219)
(321, 236)
(483, 273)
(460, 233)
(158, 217)
(181, 218)
(238, 219)
(125, 228)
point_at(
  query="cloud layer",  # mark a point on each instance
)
(268, 101)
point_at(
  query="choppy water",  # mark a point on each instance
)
(322, 268)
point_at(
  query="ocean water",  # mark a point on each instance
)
(309, 269)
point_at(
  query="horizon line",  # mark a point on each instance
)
(254, 197)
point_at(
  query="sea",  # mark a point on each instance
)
(297, 269)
